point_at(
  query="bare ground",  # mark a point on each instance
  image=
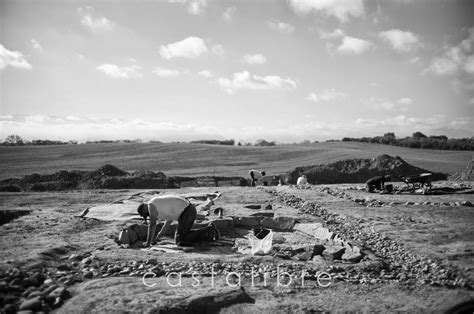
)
(45, 238)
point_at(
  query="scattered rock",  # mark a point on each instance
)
(31, 304)
(87, 274)
(10, 308)
(60, 292)
(63, 267)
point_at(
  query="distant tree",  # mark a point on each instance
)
(418, 135)
(439, 137)
(388, 138)
(262, 142)
(14, 140)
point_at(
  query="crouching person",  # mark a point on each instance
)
(175, 208)
(376, 183)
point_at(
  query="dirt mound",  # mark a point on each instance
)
(357, 171)
(111, 177)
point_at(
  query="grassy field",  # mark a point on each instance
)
(201, 159)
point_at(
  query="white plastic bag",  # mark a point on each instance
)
(260, 246)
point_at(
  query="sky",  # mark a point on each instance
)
(285, 71)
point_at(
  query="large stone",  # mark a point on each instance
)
(314, 229)
(319, 260)
(352, 257)
(333, 252)
(278, 223)
(33, 304)
(248, 221)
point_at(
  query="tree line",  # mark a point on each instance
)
(418, 140)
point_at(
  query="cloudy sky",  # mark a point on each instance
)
(284, 70)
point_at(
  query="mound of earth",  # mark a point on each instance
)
(358, 171)
(111, 177)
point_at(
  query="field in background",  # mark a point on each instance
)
(200, 159)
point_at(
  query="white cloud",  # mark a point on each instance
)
(254, 59)
(205, 73)
(326, 95)
(282, 27)
(337, 33)
(195, 7)
(401, 41)
(218, 50)
(162, 72)
(341, 9)
(73, 118)
(469, 65)
(15, 59)
(229, 13)
(354, 46)
(37, 118)
(455, 59)
(116, 72)
(384, 104)
(36, 45)
(405, 101)
(190, 47)
(93, 128)
(243, 80)
(94, 23)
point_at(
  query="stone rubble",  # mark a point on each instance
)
(401, 264)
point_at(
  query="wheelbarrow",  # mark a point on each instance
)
(419, 181)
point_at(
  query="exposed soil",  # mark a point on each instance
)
(428, 234)
(358, 171)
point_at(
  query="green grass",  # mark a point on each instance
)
(202, 159)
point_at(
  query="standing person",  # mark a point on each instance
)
(255, 176)
(302, 180)
(376, 183)
(174, 208)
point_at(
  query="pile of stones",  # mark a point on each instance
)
(30, 291)
(370, 202)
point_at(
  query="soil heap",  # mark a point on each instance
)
(358, 171)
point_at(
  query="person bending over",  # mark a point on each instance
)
(255, 176)
(376, 183)
(174, 208)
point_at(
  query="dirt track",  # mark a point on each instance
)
(50, 235)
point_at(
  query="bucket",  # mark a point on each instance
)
(260, 246)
